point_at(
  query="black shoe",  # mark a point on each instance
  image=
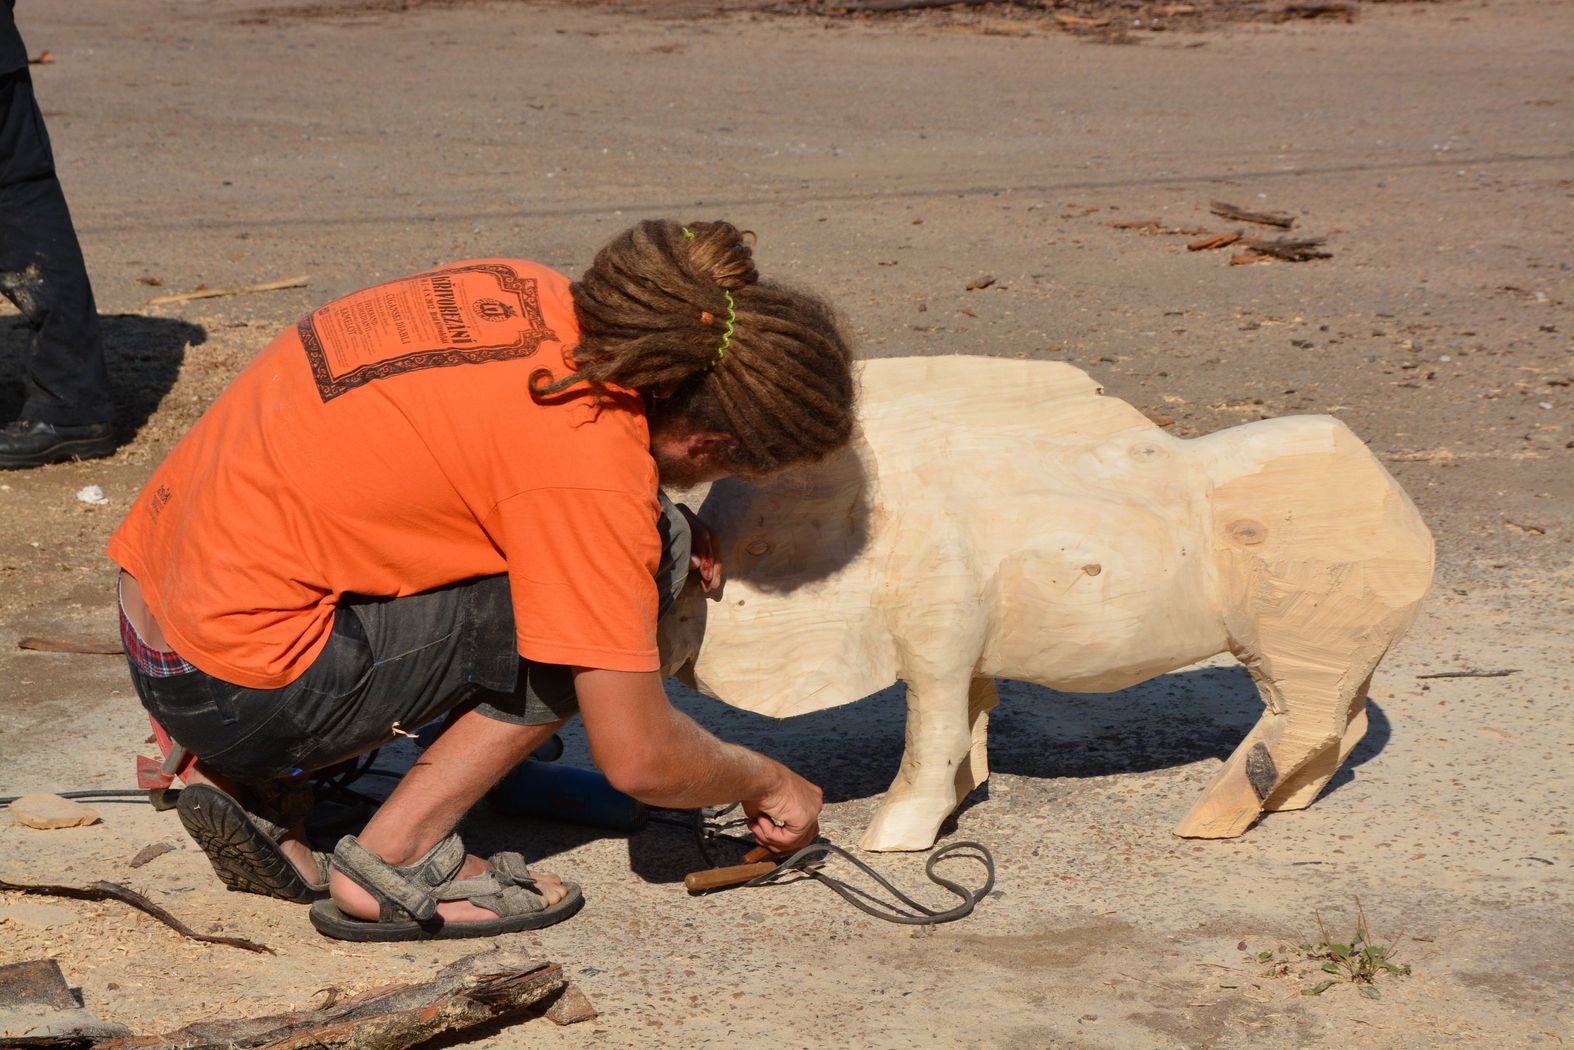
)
(29, 443)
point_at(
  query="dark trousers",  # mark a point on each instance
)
(42, 272)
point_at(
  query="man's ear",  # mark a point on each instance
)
(711, 445)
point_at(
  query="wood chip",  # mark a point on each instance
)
(981, 282)
(1247, 258)
(151, 852)
(1528, 529)
(1207, 244)
(570, 1007)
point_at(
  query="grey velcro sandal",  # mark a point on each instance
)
(407, 897)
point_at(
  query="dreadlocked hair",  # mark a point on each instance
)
(680, 314)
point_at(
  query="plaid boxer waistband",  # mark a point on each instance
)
(152, 662)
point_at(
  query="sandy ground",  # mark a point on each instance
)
(889, 164)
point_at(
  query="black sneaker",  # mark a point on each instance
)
(30, 443)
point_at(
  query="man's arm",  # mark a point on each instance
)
(659, 755)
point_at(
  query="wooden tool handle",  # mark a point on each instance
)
(755, 862)
(716, 878)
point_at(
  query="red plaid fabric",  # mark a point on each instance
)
(151, 662)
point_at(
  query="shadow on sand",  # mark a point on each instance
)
(143, 355)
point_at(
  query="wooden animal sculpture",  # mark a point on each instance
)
(1004, 519)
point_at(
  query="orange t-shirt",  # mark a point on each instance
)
(388, 444)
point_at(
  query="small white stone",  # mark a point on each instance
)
(1545, 404)
(92, 494)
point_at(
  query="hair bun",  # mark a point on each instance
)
(722, 252)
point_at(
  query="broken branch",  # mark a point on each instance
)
(1261, 218)
(110, 891)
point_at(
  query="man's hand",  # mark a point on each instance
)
(788, 818)
(704, 550)
(662, 757)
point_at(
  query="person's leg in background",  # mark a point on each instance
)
(67, 413)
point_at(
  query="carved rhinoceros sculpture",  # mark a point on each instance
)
(1005, 519)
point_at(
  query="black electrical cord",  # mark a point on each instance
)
(106, 795)
(800, 862)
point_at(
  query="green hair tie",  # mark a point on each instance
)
(688, 233)
(726, 335)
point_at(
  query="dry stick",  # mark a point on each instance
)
(1078, 22)
(855, 6)
(214, 293)
(66, 645)
(1261, 218)
(1472, 674)
(107, 891)
(1343, 12)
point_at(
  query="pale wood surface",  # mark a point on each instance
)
(1003, 518)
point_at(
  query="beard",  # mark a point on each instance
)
(681, 472)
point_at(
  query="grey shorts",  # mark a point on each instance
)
(395, 662)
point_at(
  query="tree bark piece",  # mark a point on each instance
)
(1261, 218)
(1297, 249)
(570, 1007)
(110, 891)
(1341, 11)
(475, 990)
(37, 1009)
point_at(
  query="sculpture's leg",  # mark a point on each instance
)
(974, 770)
(1298, 791)
(1314, 717)
(925, 790)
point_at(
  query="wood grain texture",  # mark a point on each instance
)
(1004, 519)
